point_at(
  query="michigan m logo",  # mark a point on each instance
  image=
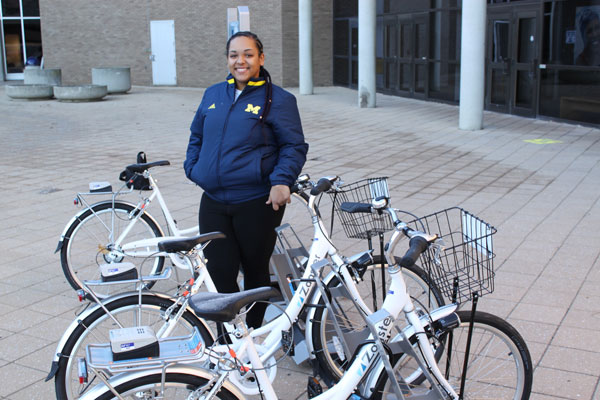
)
(252, 109)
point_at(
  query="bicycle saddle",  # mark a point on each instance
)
(187, 244)
(139, 168)
(223, 307)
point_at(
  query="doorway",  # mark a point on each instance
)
(21, 36)
(405, 42)
(164, 66)
(512, 61)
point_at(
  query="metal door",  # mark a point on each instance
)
(353, 53)
(413, 55)
(512, 60)
(164, 66)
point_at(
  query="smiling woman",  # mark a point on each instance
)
(246, 149)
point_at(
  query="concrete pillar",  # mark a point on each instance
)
(367, 26)
(305, 46)
(1, 62)
(472, 65)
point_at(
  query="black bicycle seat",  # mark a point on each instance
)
(139, 168)
(187, 244)
(223, 307)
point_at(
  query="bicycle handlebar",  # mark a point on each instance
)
(351, 207)
(416, 246)
(419, 241)
(323, 185)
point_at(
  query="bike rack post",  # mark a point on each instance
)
(468, 349)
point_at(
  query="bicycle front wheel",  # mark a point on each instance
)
(176, 386)
(95, 329)
(499, 363)
(89, 242)
(326, 343)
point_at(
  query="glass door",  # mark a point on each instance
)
(405, 55)
(354, 53)
(421, 56)
(412, 55)
(21, 36)
(498, 69)
(525, 71)
(390, 55)
(512, 61)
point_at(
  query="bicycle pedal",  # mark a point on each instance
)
(314, 387)
(287, 342)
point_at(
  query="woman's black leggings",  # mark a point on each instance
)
(250, 230)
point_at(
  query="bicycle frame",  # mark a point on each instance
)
(133, 249)
(361, 370)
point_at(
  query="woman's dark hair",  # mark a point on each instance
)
(263, 72)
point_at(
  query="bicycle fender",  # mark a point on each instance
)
(119, 379)
(76, 322)
(80, 213)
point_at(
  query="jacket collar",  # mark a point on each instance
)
(254, 82)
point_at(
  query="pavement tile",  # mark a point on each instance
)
(556, 357)
(19, 345)
(20, 320)
(577, 338)
(579, 318)
(41, 359)
(538, 313)
(562, 384)
(39, 390)
(17, 377)
(57, 305)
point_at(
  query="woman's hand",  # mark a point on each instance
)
(279, 196)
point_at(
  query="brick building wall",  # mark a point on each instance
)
(78, 35)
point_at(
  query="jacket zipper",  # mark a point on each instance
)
(223, 138)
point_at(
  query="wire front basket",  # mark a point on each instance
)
(465, 265)
(361, 225)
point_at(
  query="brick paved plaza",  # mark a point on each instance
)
(542, 195)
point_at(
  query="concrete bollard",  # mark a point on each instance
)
(116, 79)
(39, 76)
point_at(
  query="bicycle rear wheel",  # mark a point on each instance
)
(89, 242)
(499, 363)
(177, 386)
(327, 345)
(95, 329)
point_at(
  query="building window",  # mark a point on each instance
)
(21, 36)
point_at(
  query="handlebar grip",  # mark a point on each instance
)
(351, 207)
(323, 185)
(416, 246)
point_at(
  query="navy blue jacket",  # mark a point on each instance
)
(231, 155)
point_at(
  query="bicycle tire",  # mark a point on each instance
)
(495, 345)
(177, 386)
(94, 329)
(80, 256)
(424, 294)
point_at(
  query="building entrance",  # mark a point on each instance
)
(21, 43)
(512, 60)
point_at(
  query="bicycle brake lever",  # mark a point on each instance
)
(438, 246)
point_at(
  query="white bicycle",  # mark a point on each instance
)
(493, 363)
(323, 341)
(114, 232)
